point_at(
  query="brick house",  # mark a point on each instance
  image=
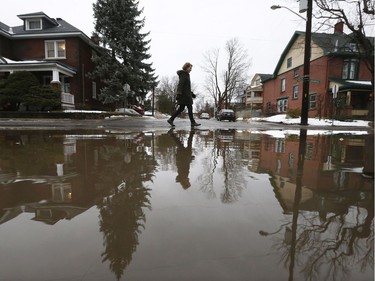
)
(56, 52)
(335, 63)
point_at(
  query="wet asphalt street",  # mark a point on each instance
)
(149, 122)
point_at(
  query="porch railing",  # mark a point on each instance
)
(67, 98)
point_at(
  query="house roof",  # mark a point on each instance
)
(62, 27)
(56, 28)
(3, 26)
(38, 15)
(346, 85)
(330, 43)
(264, 77)
(34, 65)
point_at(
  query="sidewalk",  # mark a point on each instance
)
(150, 122)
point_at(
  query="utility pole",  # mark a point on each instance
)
(306, 66)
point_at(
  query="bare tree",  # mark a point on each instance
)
(357, 16)
(223, 85)
(166, 94)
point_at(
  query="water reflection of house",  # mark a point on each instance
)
(250, 148)
(50, 214)
(50, 197)
(45, 196)
(325, 186)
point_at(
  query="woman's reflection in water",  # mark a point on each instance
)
(184, 156)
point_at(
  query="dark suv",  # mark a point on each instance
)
(226, 114)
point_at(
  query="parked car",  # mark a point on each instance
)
(226, 114)
(225, 135)
(138, 108)
(204, 115)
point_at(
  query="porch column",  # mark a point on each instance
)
(60, 169)
(55, 83)
(348, 97)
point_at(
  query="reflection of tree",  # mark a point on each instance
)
(122, 211)
(326, 247)
(231, 168)
(206, 179)
(332, 247)
(339, 247)
(121, 220)
(233, 175)
(117, 160)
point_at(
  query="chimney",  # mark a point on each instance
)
(339, 27)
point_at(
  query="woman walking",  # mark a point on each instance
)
(184, 95)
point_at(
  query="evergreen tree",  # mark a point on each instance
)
(118, 27)
(23, 87)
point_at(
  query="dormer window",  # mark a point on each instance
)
(353, 47)
(33, 24)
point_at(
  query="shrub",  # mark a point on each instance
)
(293, 112)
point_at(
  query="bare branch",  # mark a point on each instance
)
(225, 86)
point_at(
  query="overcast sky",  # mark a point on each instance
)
(184, 31)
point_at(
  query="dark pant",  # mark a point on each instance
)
(181, 108)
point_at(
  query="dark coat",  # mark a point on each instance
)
(184, 94)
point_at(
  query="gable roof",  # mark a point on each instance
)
(264, 77)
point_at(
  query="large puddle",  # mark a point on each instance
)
(186, 205)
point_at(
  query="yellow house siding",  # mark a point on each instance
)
(296, 52)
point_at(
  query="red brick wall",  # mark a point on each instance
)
(78, 56)
(320, 70)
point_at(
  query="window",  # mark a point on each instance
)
(269, 107)
(282, 105)
(312, 101)
(33, 24)
(55, 49)
(291, 160)
(295, 92)
(289, 62)
(283, 81)
(296, 72)
(65, 84)
(353, 47)
(280, 145)
(350, 69)
(309, 151)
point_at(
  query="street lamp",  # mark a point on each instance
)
(306, 62)
(275, 7)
